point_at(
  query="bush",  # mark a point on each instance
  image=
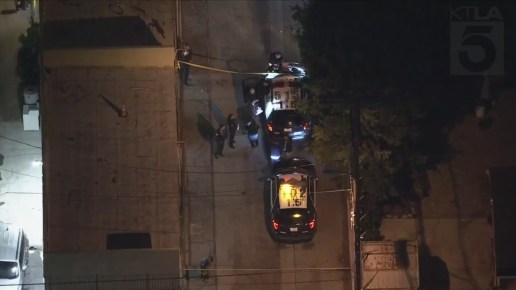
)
(28, 67)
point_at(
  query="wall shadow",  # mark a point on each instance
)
(433, 271)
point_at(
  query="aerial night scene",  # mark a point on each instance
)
(257, 144)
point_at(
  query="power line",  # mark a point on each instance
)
(16, 141)
(20, 192)
(101, 160)
(272, 271)
(28, 175)
(154, 194)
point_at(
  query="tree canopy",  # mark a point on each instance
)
(395, 60)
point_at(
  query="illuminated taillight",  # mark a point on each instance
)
(312, 224)
(275, 225)
(269, 127)
(305, 126)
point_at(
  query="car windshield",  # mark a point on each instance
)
(293, 191)
(282, 117)
(293, 216)
(8, 270)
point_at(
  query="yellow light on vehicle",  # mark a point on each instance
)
(286, 189)
(296, 215)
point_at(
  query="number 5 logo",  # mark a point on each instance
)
(476, 48)
(477, 36)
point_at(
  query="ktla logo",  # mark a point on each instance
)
(476, 41)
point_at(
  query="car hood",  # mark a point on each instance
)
(10, 284)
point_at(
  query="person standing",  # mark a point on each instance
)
(220, 139)
(275, 61)
(233, 127)
(186, 56)
(251, 96)
(252, 132)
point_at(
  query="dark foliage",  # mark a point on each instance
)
(28, 57)
(395, 59)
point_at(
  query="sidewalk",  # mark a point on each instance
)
(21, 190)
(21, 174)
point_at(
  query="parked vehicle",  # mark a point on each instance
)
(14, 256)
(292, 201)
(277, 65)
(293, 68)
(281, 114)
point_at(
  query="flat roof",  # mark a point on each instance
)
(503, 194)
(105, 173)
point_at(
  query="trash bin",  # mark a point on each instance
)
(30, 95)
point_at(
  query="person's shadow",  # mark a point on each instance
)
(205, 128)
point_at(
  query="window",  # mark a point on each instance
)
(9, 270)
(22, 251)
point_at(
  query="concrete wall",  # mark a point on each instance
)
(456, 214)
(112, 263)
(129, 57)
(463, 245)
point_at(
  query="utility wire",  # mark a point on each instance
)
(16, 141)
(20, 192)
(28, 175)
(273, 271)
(122, 194)
(100, 161)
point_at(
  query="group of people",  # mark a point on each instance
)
(184, 56)
(232, 127)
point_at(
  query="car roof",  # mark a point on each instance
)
(286, 89)
(293, 190)
(9, 241)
